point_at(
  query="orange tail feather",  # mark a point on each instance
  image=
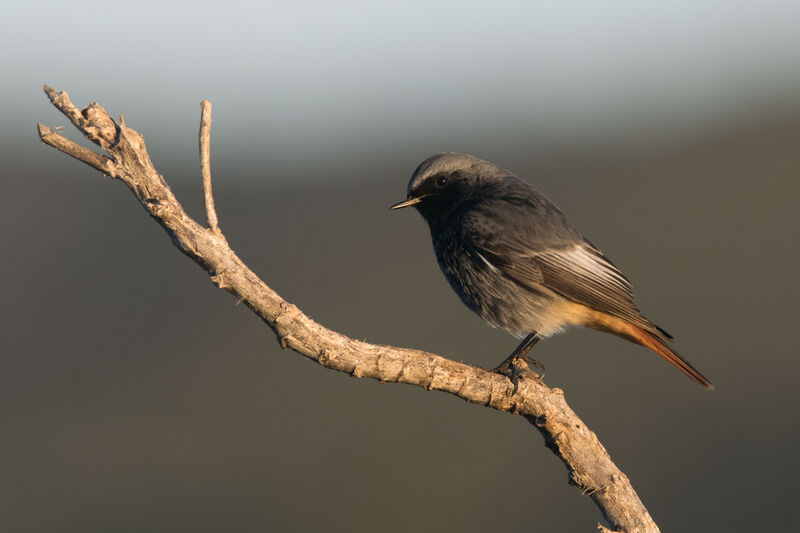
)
(605, 322)
(648, 340)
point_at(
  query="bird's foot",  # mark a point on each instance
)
(516, 369)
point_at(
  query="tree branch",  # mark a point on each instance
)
(589, 465)
(61, 143)
(205, 164)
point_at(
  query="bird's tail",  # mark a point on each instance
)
(605, 322)
(648, 340)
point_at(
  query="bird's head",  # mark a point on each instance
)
(443, 182)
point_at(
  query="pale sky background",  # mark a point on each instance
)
(339, 79)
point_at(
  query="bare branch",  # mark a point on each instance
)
(205, 164)
(61, 143)
(589, 465)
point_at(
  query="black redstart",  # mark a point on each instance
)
(514, 259)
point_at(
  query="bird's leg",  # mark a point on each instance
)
(520, 355)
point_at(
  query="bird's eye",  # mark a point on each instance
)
(441, 181)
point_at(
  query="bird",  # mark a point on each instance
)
(513, 258)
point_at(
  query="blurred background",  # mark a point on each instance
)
(135, 396)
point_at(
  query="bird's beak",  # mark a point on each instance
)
(407, 203)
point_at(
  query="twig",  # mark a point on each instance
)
(61, 143)
(205, 164)
(589, 465)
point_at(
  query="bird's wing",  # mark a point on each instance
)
(546, 252)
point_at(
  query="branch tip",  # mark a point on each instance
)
(50, 92)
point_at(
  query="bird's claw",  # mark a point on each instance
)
(516, 369)
(538, 365)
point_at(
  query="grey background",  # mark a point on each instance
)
(134, 396)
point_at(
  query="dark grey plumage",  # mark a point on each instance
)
(514, 259)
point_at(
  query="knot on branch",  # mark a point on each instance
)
(219, 280)
(324, 357)
(157, 208)
(357, 371)
(287, 341)
(99, 126)
(286, 313)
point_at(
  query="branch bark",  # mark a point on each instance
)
(588, 463)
